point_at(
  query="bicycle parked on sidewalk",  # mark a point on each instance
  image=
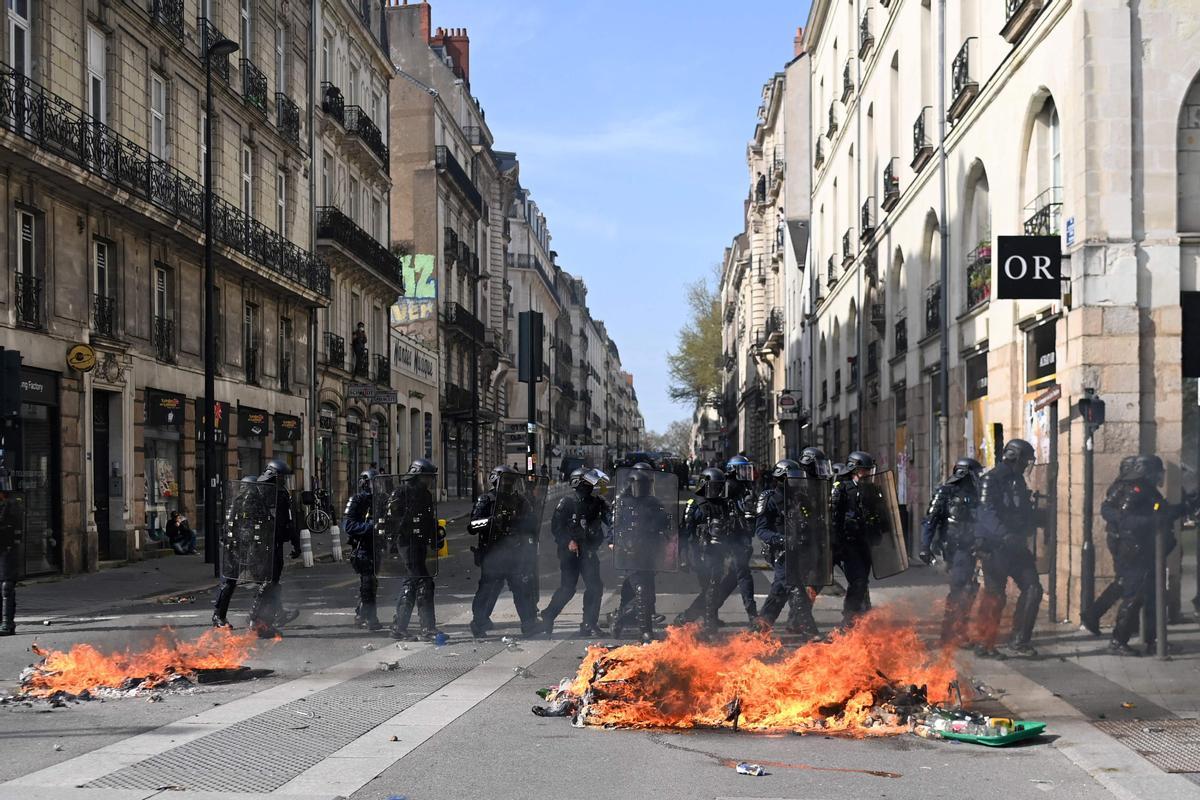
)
(319, 517)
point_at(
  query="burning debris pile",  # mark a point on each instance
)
(867, 681)
(83, 672)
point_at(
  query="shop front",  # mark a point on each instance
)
(31, 469)
(162, 436)
(221, 440)
(252, 433)
(285, 436)
(326, 434)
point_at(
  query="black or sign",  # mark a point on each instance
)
(530, 360)
(287, 428)
(252, 422)
(220, 421)
(164, 409)
(1029, 268)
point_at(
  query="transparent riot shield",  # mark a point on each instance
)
(885, 534)
(516, 514)
(646, 520)
(248, 536)
(12, 527)
(537, 489)
(405, 539)
(808, 545)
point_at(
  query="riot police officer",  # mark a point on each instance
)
(266, 612)
(1003, 526)
(775, 505)
(714, 527)
(412, 505)
(247, 504)
(853, 525)
(814, 462)
(506, 525)
(1090, 620)
(359, 526)
(641, 525)
(11, 530)
(739, 481)
(578, 529)
(948, 532)
(1136, 512)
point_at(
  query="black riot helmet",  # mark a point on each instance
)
(642, 465)
(277, 469)
(966, 467)
(711, 484)
(782, 469)
(1018, 453)
(504, 480)
(366, 480)
(1126, 470)
(739, 468)
(423, 473)
(576, 481)
(1148, 468)
(814, 461)
(860, 463)
(640, 483)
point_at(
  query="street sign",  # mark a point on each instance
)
(1070, 231)
(360, 391)
(81, 357)
(372, 394)
(1047, 397)
(1030, 268)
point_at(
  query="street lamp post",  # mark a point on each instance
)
(221, 48)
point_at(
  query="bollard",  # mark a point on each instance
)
(335, 542)
(306, 547)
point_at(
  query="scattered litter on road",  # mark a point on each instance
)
(440, 639)
(177, 599)
(58, 748)
(750, 769)
(402, 646)
(154, 698)
(309, 714)
(368, 646)
(1039, 780)
(46, 622)
(393, 738)
(451, 655)
(1154, 730)
(523, 672)
(388, 666)
(1128, 705)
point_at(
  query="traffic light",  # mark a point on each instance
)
(1091, 408)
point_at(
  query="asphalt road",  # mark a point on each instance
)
(321, 719)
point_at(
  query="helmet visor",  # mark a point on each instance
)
(508, 483)
(714, 489)
(743, 472)
(425, 480)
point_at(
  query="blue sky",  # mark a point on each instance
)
(631, 122)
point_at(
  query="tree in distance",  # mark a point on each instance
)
(695, 365)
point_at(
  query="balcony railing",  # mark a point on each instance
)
(335, 350)
(164, 339)
(29, 301)
(847, 247)
(456, 399)
(1045, 213)
(474, 135)
(104, 315)
(334, 225)
(383, 370)
(824, 392)
(362, 126)
(285, 373)
(446, 162)
(287, 118)
(873, 357)
(963, 79)
(831, 274)
(878, 317)
(891, 186)
(833, 123)
(210, 33)
(870, 262)
(852, 374)
(922, 145)
(866, 40)
(979, 274)
(847, 85)
(169, 14)
(900, 329)
(819, 157)
(933, 309)
(56, 126)
(1019, 18)
(332, 102)
(867, 219)
(250, 359)
(360, 361)
(254, 86)
(460, 318)
(837, 383)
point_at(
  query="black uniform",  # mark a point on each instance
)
(1004, 524)
(11, 531)
(852, 523)
(770, 525)
(359, 527)
(948, 530)
(744, 500)
(1112, 592)
(579, 518)
(507, 529)
(714, 529)
(647, 522)
(412, 505)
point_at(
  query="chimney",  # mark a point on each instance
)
(458, 46)
(798, 43)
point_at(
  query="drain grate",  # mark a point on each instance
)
(264, 752)
(1172, 745)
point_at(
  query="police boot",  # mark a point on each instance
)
(221, 604)
(1127, 620)
(1091, 620)
(262, 613)
(404, 609)
(425, 611)
(800, 615)
(369, 617)
(8, 608)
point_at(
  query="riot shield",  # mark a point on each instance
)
(248, 536)
(808, 546)
(885, 534)
(537, 489)
(405, 539)
(516, 513)
(646, 520)
(12, 523)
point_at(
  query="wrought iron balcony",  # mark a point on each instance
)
(104, 315)
(837, 383)
(361, 125)
(933, 309)
(474, 135)
(878, 317)
(169, 14)
(831, 277)
(847, 88)
(900, 330)
(922, 145)
(867, 220)
(963, 79)
(332, 224)
(1045, 213)
(250, 361)
(209, 33)
(456, 399)
(852, 374)
(979, 274)
(866, 40)
(335, 350)
(383, 370)
(870, 262)
(819, 157)
(254, 86)
(891, 186)
(450, 245)
(360, 361)
(164, 339)
(446, 162)
(873, 357)
(824, 392)
(287, 118)
(54, 125)
(833, 122)
(332, 102)
(847, 247)
(29, 301)
(285, 373)
(1019, 18)
(459, 318)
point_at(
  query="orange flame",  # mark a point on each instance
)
(85, 667)
(682, 682)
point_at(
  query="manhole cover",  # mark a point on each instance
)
(1172, 745)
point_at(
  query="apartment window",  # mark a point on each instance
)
(246, 42)
(1055, 148)
(158, 116)
(162, 293)
(285, 353)
(97, 85)
(280, 200)
(250, 326)
(100, 251)
(247, 180)
(353, 93)
(376, 114)
(19, 14)
(27, 248)
(377, 219)
(280, 53)
(326, 168)
(203, 145)
(354, 199)
(325, 45)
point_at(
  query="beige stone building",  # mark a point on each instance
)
(1049, 117)
(101, 107)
